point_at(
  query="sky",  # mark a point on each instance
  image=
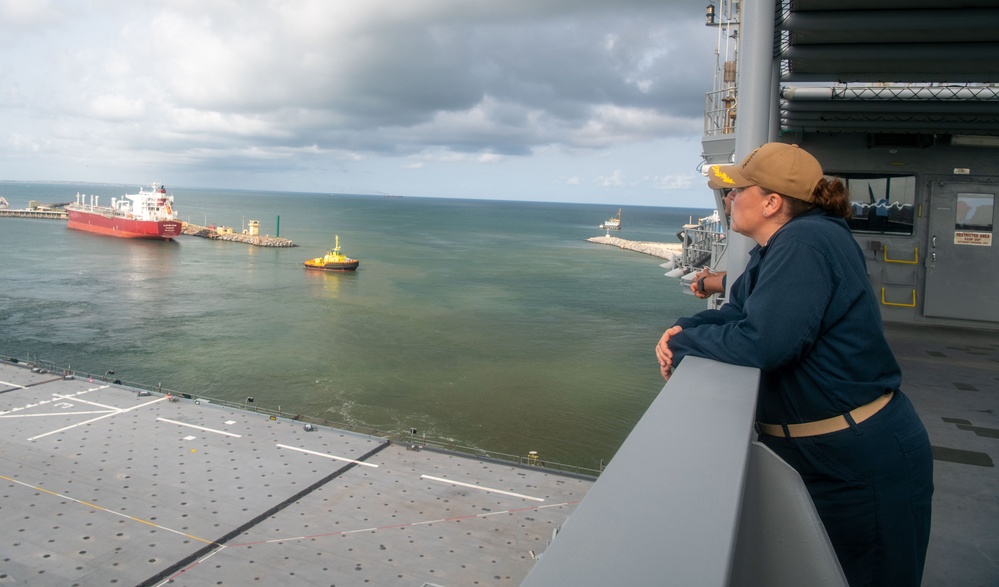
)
(591, 101)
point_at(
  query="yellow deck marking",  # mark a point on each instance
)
(104, 509)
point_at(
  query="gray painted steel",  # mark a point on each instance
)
(666, 508)
(782, 542)
(688, 500)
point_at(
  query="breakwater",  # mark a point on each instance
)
(249, 239)
(661, 250)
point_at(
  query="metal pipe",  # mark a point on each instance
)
(898, 93)
(964, 53)
(795, 123)
(757, 106)
(879, 21)
(986, 109)
(900, 72)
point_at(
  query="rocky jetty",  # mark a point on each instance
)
(255, 240)
(661, 250)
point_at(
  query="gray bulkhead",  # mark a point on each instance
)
(924, 214)
(902, 102)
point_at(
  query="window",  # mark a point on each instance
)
(974, 212)
(881, 204)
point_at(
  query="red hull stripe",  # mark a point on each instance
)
(124, 228)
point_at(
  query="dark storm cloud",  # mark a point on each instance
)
(272, 86)
(379, 82)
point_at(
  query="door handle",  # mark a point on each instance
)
(934, 241)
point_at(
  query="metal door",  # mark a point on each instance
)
(962, 265)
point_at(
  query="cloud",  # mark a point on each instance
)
(117, 107)
(612, 180)
(436, 80)
(19, 142)
(16, 14)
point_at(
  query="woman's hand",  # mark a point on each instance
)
(665, 355)
(706, 283)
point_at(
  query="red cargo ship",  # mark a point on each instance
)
(147, 214)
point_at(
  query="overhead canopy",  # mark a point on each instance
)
(949, 49)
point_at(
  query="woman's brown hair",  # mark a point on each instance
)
(831, 196)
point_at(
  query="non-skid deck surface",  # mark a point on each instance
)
(101, 486)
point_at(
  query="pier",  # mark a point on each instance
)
(661, 250)
(31, 213)
(257, 240)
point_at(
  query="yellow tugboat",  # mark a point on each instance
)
(333, 260)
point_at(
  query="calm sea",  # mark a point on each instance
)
(492, 324)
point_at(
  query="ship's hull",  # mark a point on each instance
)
(348, 266)
(123, 227)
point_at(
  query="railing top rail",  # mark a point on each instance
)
(678, 518)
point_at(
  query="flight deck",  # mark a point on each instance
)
(104, 485)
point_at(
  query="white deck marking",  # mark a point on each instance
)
(489, 489)
(56, 414)
(196, 563)
(11, 384)
(199, 427)
(55, 396)
(83, 401)
(328, 456)
(115, 413)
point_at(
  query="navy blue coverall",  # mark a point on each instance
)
(805, 314)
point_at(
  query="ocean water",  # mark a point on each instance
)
(491, 324)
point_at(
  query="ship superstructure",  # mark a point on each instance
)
(900, 104)
(613, 222)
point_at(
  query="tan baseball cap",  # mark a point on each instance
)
(786, 169)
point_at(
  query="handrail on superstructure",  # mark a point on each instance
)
(690, 499)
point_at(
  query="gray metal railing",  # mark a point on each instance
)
(690, 499)
(720, 112)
